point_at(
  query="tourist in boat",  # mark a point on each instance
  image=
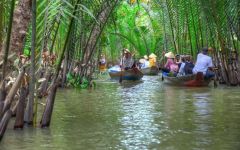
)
(152, 60)
(189, 65)
(127, 61)
(170, 60)
(181, 71)
(102, 63)
(144, 62)
(204, 64)
(178, 60)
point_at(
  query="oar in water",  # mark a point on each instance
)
(121, 73)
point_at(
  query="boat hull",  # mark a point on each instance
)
(131, 74)
(150, 71)
(188, 80)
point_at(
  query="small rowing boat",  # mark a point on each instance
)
(150, 70)
(193, 80)
(131, 74)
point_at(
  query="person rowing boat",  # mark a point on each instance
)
(204, 64)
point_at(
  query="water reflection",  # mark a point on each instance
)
(137, 115)
(138, 123)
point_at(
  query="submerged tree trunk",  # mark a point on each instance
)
(21, 20)
(29, 109)
(47, 113)
(19, 122)
(4, 123)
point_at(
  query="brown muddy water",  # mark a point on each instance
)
(137, 115)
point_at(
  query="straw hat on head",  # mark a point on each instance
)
(145, 57)
(142, 61)
(126, 51)
(169, 55)
(152, 56)
(23, 56)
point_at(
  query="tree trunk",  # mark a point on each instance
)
(29, 109)
(47, 114)
(12, 92)
(4, 123)
(21, 20)
(42, 90)
(19, 122)
(96, 32)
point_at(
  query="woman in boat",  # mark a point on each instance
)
(152, 60)
(102, 63)
(127, 61)
(170, 66)
(144, 62)
(204, 64)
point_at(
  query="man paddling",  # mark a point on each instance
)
(204, 64)
(127, 61)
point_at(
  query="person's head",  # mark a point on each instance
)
(188, 58)
(127, 53)
(177, 57)
(205, 50)
(145, 57)
(183, 58)
(169, 55)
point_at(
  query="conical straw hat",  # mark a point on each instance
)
(169, 55)
(127, 51)
(145, 57)
(141, 61)
(152, 56)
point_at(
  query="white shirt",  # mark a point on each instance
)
(202, 64)
(127, 62)
(181, 69)
(145, 64)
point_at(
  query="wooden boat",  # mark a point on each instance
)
(150, 70)
(196, 80)
(131, 74)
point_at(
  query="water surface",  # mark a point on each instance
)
(137, 115)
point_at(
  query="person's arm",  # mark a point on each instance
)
(210, 64)
(167, 64)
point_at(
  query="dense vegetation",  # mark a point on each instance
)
(60, 35)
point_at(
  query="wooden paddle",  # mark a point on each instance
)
(121, 73)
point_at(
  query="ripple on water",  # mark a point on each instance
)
(137, 115)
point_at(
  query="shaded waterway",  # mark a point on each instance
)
(137, 115)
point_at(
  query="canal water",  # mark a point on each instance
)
(137, 115)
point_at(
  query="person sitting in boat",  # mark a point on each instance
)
(178, 60)
(152, 60)
(102, 63)
(204, 64)
(170, 66)
(181, 71)
(170, 60)
(144, 62)
(127, 61)
(189, 65)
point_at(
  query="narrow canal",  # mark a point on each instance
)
(137, 115)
